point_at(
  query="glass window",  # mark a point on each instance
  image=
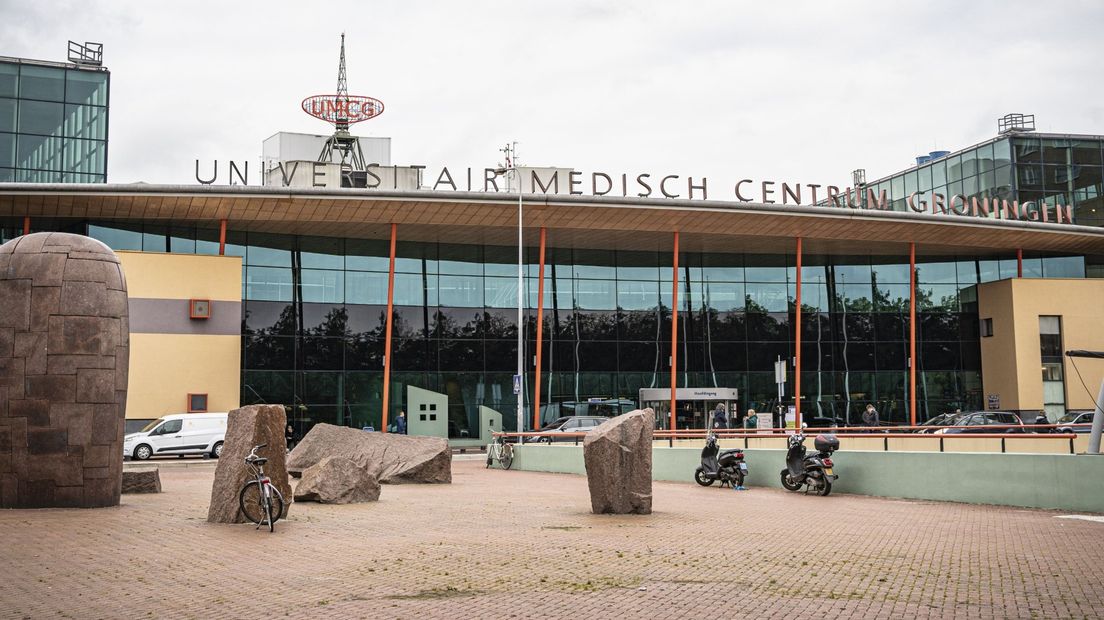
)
(89, 156)
(595, 294)
(321, 253)
(939, 173)
(462, 260)
(7, 150)
(856, 297)
(766, 268)
(154, 239)
(85, 122)
(1002, 152)
(594, 264)
(501, 292)
(954, 169)
(897, 273)
(1032, 267)
(910, 183)
(1055, 151)
(969, 163)
(363, 287)
(40, 117)
(7, 114)
(410, 290)
(936, 273)
(86, 87)
(268, 284)
(9, 80)
(460, 291)
(985, 158)
(41, 83)
(937, 297)
(763, 297)
(1027, 150)
(967, 272)
(924, 179)
(638, 295)
(322, 286)
(269, 250)
(725, 296)
(1086, 152)
(116, 238)
(897, 188)
(367, 254)
(1064, 267)
(891, 297)
(853, 274)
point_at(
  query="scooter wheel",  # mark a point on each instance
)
(788, 483)
(826, 487)
(700, 478)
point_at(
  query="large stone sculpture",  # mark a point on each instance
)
(618, 459)
(338, 480)
(398, 458)
(64, 351)
(247, 427)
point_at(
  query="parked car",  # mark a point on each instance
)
(943, 419)
(1066, 422)
(567, 424)
(984, 422)
(178, 434)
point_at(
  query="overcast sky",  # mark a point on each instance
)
(791, 91)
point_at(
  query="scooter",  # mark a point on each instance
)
(814, 472)
(728, 466)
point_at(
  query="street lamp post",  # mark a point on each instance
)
(519, 379)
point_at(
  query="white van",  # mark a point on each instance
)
(180, 433)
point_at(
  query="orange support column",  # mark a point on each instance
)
(222, 237)
(674, 329)
(540, 336)
(387, 333)
(26, 224)
(1019, 262)
(797, 343)
(912, 334)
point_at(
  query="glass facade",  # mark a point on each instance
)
(1025, 167)
(53, 123)
(314, 315)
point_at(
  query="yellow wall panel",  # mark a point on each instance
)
(165, 368)
(182, 276)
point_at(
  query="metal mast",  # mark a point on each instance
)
(342, 141)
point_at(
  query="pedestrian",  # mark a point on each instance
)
(719, 417)
(870, 416)
(752, 419)
(400, 423)
(289, 437)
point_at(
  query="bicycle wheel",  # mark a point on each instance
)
(251, 502)
(507, 458)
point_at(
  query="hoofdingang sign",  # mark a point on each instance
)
(561, 181)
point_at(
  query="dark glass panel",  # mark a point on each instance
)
(267, 386)
(767, 326)
(322, 253)
(269, 318)
(364, 353)
(410, 322)
(46, 83)
(856, 327)
(366, 320)
(467, 260)
(9, 79)
(727, 326)
(325, 320)
(500, 324)
(461, 355)
(817, 356)
(321, 388)
(410, 353)
(640, 357)
(269, 353)
(367, 254)
(598, 355)
(938, 326)
(726, 356)
(638, 325)
(971, 355)
(892, 355)
(453, 323)
(318, 353)
(856, 356)
(501, 355)
(939, 355)
(762, 355)
(596, 325)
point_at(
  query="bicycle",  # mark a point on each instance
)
(500, 451)
(260, 501)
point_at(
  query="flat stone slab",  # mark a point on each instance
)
(399, 459)
(141, 480)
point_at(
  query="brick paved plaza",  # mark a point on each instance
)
(501, 544)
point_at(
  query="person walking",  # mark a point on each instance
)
(400, 423)
(870, 416)
(289, 437)
(719, 417)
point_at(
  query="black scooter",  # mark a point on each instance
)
(815, 472)
(728, 466)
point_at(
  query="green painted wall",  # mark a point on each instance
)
(1059, 481)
